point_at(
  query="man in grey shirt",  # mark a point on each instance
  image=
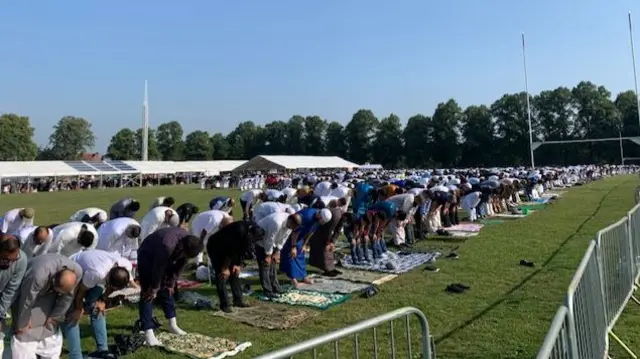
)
(43, 300)
(126, 207)
(13, 264)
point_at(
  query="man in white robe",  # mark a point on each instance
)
(264, 209)
(91, 215)
(41, 305)
(16, 219)
(207, 223)
(158, 218)
(250, 199)
(470, 201)
(120, 236)
(73, 237)
(35, 240)
(164, 202)
(277, 228)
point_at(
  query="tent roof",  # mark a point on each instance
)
(36, 169)
(209, 168)
(266, 163)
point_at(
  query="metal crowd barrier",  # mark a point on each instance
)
(313, 346)
(600, 290)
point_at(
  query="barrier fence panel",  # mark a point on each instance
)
(556, 344)
(616, 268)
(634, 231)
(373, 341)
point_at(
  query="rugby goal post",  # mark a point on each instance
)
(636, 140)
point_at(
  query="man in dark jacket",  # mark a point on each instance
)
(126, 207)
(161, 258)
(226, 249)
(186, 211)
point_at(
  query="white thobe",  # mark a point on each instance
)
(112, 237)
(469, 204)
(322, 189)
(47, 348)
(250, 198)
(273, 194)
(291, 195)
(65, 238)
(275, 232)
(29, 246)
(91, 212)
(264, 209)
(209, 222)
(342, 192)
(154, 220)
(12, 222)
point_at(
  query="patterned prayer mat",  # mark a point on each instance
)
(392, 262)
(269, 316)
(188, 284)
(200, 346)
(461, 234)
(131, 295)
(491, 221)
(332, 285)
(368, 277)
(465, 227)
(307, 298)
(509, 215)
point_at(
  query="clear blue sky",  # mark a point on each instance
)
(212, 63)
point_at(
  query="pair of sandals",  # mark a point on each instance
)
(457, 288)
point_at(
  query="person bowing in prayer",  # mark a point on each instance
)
(322, 242)
(294, 264)
(34, 240)
(352, 232)
(13, 265)
(186, 212)
(162, 257)
(91, 215)
(119, 236)
(163, 202)
(73, 237)
(41, 305)
(226, 250)
(102, 274)
(158, 218)
(16, 219)
(277, 227)
(264, 209)
(249, 199)
(378, 217)
(222, 203)
(207, 223)
(126, 207)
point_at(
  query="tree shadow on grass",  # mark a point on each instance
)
(527, 278)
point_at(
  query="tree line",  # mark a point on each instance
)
(479, 135)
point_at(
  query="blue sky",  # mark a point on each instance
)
(212, 64)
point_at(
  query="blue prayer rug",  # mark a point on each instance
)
(393, 263)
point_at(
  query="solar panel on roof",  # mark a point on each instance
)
(121, 165)
(102, 166)
(80, 166)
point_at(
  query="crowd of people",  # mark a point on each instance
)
(50, 275)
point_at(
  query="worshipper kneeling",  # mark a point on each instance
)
(73, 237)
(227, 249)
(91, 215)
(35, 241)
(102, 274)
(41, 305)
(126, 207)
(158, 218)
(16, 219)
(294, 265)
(277, 227)
(162, 257)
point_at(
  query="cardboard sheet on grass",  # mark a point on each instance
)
(332, 285)
(200, 346)
(368, 277)
(307, 298)
(269, 316)
(394, 263)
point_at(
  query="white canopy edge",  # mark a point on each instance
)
(209, 168)
(266, 163)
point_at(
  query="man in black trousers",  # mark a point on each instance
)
(226, 249)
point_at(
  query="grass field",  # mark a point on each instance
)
(506, 314)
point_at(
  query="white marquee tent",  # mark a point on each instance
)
(270, 163)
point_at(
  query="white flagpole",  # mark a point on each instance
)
(633, 59)
(145, 124)
(526, 90)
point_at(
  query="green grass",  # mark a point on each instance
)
(506, 314)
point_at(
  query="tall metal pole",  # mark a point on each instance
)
(621, 148)
(526, 90)
(145, 124)
(633, 58)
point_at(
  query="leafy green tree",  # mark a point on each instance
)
(315, 129)
(220, 147)
(198, 146)
(16, 138)
(123, 146)
(388, 147)
(169, 137)
(360, 133)
(335, 141)
(71, 137)
(152, 145)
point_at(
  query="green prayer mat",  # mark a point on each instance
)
(200, 346)
(491, 221)
(533, 207)
(307, 298)
(269, 316)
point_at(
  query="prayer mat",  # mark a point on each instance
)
(510, 215)
(331, 285)
(341, 244)
(200, 346)
(465, 227)
(269, 316)
(249, 273)
(543, 200)
(392, 262)
(533, 207)
(307, 298)
(131, 294)
(461, 234)
(491, 221)
(364, 276)
(188, 284)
